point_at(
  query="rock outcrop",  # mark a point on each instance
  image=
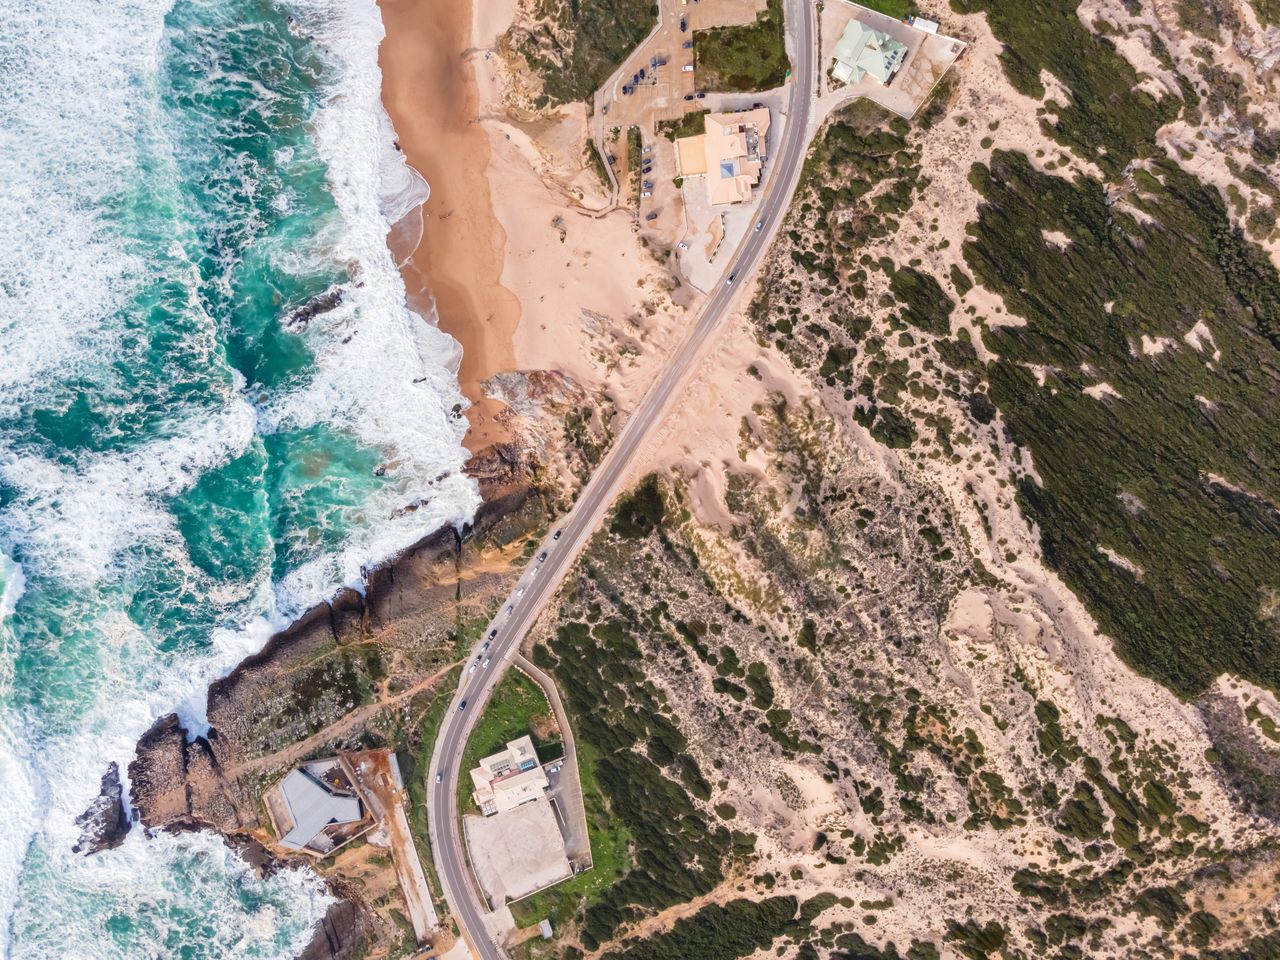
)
(105, 824)
(340, 935)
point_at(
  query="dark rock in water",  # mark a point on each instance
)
(298, 320)
(339, 936)
(104, 825)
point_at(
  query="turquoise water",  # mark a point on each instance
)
(181, 469)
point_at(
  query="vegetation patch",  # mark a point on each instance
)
(744, 58)
(737, 929)
(1180, 470)
(575, 44)
(1108, 119)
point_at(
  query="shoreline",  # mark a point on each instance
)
(429, 90)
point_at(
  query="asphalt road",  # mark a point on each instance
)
(542, 577)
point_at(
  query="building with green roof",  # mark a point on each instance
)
(861, 51)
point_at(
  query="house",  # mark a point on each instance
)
(315, 808)
(509, 778)
(862, 51)
(729, 153)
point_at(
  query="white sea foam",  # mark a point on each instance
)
(75, 100)
(381, 370)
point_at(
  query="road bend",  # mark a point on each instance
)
(555, 556)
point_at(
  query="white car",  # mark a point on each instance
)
(473, 668)
(646, 194)
(759, 225)
(486, 661)
(682, 245)
(520, 592)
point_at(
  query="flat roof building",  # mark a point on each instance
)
(861, 52)
(730, 153)
(311, 800)
(508, 778)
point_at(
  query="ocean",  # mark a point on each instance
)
(187, 461)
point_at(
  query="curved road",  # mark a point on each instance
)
(542, 577)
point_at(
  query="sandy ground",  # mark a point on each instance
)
(429, 91)
(524, 270)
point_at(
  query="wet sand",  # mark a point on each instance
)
(429, 90)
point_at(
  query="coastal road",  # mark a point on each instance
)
(543, 576)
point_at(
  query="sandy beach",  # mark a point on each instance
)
(430, 93)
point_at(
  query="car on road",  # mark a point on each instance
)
(439, 778)
(486, 645)
(493, 633)
(556, 535)
(510, 610)
(759, 225)
(542, 556)
(605, 110)
(729, 282)
(462, 706)
(473, 668)
(486, 662)
(520, 592)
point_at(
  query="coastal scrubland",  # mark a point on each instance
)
(744, 58)
(573, 45)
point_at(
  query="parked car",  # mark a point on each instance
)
(486, 645)
(556, 535)
(648, 184)
(659, 63)
(486, 661)
(642, 73)
(542, 556)
(646, 194)
(510, 609)
(635, 78)
(473, 668)
(687, 68)
(520, 592)
(648, 149)
(626, 90)
(493, 633)
(653, 62)
(684, 26)
(688, 96)
(700, 94)
(682, 245)
(687, 45)
(651, 216)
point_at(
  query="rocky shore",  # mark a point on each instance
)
(347, 674)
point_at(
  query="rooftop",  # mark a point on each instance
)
(730, 153)
(862, 51)
(315, 801)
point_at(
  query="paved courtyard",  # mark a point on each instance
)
(516, 852)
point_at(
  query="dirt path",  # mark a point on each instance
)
(292, 754)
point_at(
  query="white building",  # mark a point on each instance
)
(509, 778)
